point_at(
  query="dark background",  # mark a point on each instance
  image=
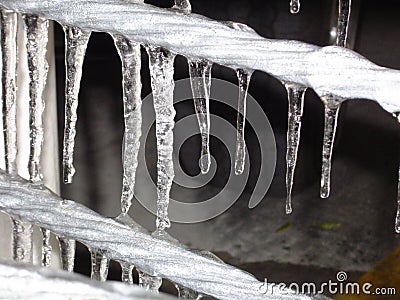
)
(365, 163)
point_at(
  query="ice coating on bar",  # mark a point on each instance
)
(295, 112)
(76, 41)
(200, 81)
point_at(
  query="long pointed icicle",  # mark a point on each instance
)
(129, 53)
(240, 156)
(21, 231)
(76, 41)
(332, 107)
(37, 36)
(295, 112)
(99, 263)
(294, 6)
(162, 83)
(333, 104)
(397, 220)
(200, 81)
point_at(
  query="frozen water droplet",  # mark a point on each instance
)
(343, 22)
(332, 105)
(295, 111)
(129, 53)
(99, 263)
(76, 41)
(294, 6)
(240, 156)
(200, 81)
(161, 64)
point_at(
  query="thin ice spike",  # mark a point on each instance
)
(162, 70)
(200, 81)
(100, 264)
(343, 22)
(240, 155)
(294, 6)
(22, 248)
(36, 29)
(129, 53)
(332, 106)
(295, 112)
(76, 41)
(397, 220)
(67, 250)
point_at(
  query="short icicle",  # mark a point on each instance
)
(129, 53)
(295, 112)
(200, 81)
(99, 264)
(76, 41)
(36, 29)
(332, 106)
(67, 250)
(21, 231)
(240, 155)
(294, 6)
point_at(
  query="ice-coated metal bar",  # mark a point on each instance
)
(19, 281)
(328, 70)
(123, 243)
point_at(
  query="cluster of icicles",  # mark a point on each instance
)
(161, 68)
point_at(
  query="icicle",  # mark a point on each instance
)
(183, 6)
(397, 221)
(129, 53)
(46, 248)
(37, 35)
(332, 106)
(295, 112)
(76, 41)
(22, 241)
(200, 81)
(148, 282)
(162, 83)
(186, 293)
(99, 263)
(127, 269)
(240, 156)
(343, 22)
(9, 89)
(67, 249)
(294, 6)
(21, 231)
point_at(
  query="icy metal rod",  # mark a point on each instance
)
(123, 243)
(32, 282)
(326, 69)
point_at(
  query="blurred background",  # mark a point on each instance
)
(351, 231)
